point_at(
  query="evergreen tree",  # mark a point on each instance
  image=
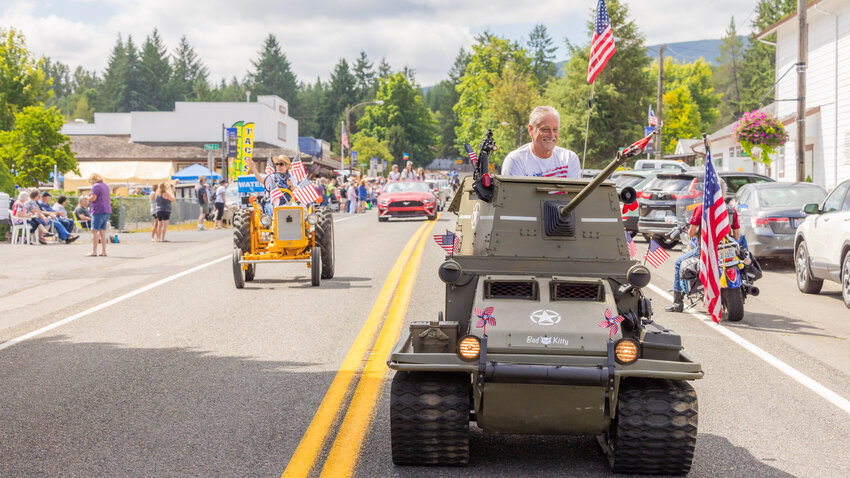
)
(621, 93)
(365, 76)
(341, 93)
(113, 79)
(758, 68)
(154, 75)
(60, 76)
(441, 99)
(697, 78)
(542, 51)
(229, 92)
(187, 70)
(273, 75)
(728, 75)
(384, 69)
(312, 99)
(132, 99)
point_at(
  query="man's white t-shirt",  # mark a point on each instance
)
(563, 163)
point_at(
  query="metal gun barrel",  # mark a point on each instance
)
(608, 171)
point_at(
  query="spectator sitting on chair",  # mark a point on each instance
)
(82, 213)
(62, 213)
(41, 220)
(48, 211)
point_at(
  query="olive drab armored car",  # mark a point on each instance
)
(545, 331)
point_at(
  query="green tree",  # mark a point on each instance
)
(22, 80)
(187, 70)
(727, 76)
(441, 99)
(369, 147)
(113, 78)
(341, 93)
(229, 92)
(758, 68)
(402, 121)
(132, 98)
(7, 183)
(513, 97)
(36, 145)
(311, 99)
(491, 55)
(384, 69)
(697, 78)
(273, 75)
(365, 75)
(154, 75)
(681, 117)
(621, 93)
(542, 51)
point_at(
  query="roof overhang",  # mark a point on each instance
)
(772, 29)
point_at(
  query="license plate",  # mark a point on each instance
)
(726, 253)
(795, 221)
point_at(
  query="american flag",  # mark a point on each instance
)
(656, 255)
(306, 193)
(713, 228)
(611, 322)
(473, 158)
(298, 172)
(344, 137)
(653, 121)
(269, 167)
(450, 242)
(631, 245)
(602, 45)
(638, 146)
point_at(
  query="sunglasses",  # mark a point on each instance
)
(281, 164)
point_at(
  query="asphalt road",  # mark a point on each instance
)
(195, 378)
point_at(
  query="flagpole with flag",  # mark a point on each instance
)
(713, 228)
(601, 50)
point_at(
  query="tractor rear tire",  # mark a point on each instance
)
(242, 230)
(429, 418)
(316, 267)
(325, 241)
(655, 430)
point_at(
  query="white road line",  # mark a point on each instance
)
(345, 218)
(759, 352)
(109, 303)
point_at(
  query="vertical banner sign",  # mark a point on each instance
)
(247, 147)
(354, 158)
(234, 169)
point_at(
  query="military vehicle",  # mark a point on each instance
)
(545, 331)
(293, 233)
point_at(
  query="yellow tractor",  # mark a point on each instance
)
(291, 233)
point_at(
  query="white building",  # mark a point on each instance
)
(149, 146)
(827, 158)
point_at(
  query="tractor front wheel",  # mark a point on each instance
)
(316, 267)
(237, 269)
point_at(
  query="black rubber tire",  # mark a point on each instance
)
(429, 418)
(655, 430)
(383, 219)
(242, 230)
(803, 272)
(237, 269)
(316, 267)
(431, 218)
(845, 279)
(251, 272)
(733, 304)
(325, 240)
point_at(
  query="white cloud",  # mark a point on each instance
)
(423, 34)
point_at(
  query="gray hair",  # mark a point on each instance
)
(539, 112)
(23, 196)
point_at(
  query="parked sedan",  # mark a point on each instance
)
(769, 214)
(407, 199)
(822, 244)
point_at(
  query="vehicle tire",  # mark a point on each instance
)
(383, 218)
(242, 230)
(431, 218)
(733, 304)
(325, 240)
(316, 267)
(237, 269)
(845, 279)
(429, 418)
(251, 272)
(666, 243)
(655, 430)
(805, 282)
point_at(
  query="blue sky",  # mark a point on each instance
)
(423, 34)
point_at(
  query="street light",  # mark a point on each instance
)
(347, 127)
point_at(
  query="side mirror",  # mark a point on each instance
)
(811, 209)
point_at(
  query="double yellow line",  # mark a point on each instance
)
(352, 432)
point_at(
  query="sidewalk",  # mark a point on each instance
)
(41, 284)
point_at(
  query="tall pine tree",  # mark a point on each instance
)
(757, 70)
(187, 70)
(113, 79)
(272, 75)
(154, 75)
(727, 76)
(542, 51)
(341, 93)
(365, 76)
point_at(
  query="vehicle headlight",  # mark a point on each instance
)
(469, 348)
(626, 351)
(266, 220)
(312, 219)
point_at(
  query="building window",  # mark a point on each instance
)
(281, 131)
(718, 160)
(282, 109)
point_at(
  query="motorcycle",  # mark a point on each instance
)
(739, 270)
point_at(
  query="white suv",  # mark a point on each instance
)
(822, 244)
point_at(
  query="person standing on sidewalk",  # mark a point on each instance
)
(219, 203)
(164, 198)
(101, 210)
(203, 201)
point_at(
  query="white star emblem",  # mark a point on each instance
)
(545, 317)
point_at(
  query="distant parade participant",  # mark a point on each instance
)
(283, 179)
(408, 174)
(542, 157)
(394, 174)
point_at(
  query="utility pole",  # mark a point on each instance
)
(802, 60)
(660, 104)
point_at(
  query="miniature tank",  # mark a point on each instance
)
(545, 331)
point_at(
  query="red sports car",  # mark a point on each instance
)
(407, 199)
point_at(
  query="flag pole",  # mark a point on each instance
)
(587, 127)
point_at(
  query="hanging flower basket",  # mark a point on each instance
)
(758, 129)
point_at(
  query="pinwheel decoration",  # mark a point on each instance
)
(611, 322)
(485, 317)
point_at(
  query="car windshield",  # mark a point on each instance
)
(790, 196)
(624, 180)
(670, 184)
(407, 187)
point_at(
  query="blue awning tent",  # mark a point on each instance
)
(193, 172)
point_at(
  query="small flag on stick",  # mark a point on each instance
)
(631, 245)
(473, 158)
(656, 255)
(450, 242)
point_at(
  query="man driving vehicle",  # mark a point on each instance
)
(281, 178)
(542, 156)
(694, 225)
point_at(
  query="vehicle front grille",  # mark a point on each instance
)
(405, 204)
(289, 224)
(511, 290)
(577, 291)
